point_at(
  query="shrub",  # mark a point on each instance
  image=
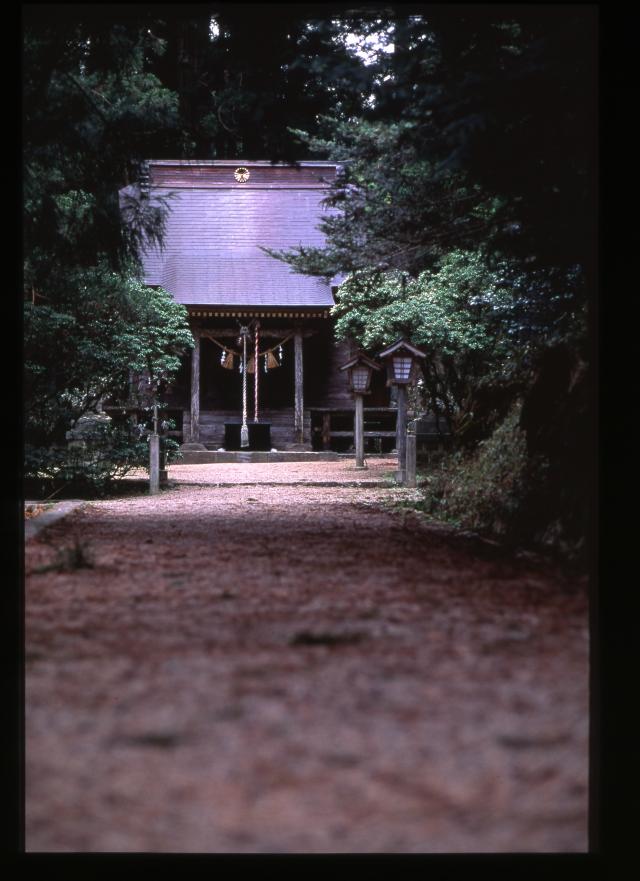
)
(93, 463)
(503, 490)
(483, 490)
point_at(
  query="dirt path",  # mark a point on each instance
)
(293, 669)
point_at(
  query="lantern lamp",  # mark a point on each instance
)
(401, 358)
(360, 371)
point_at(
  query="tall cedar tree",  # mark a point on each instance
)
(92, 113)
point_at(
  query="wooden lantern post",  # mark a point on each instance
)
(360, 370)
(410, 454)
(401, 359)
(154, 455)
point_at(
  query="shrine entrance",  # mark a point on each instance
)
(251, 375)
(221, 376)
(249, 380)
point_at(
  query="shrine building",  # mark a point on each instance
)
(265, 353)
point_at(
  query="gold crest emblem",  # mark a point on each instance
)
(241, 175)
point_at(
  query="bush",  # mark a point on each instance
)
(502, 490)
(483, 490)
(95, 458)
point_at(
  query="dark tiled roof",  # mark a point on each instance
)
(213, 235)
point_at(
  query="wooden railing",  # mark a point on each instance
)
(333, 423)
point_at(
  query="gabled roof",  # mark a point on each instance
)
(217, 224)
(402, 344)
(361, 358)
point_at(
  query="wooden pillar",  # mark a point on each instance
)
(326, 431)
(154, 464)
(298, 418)
(195, 388)
(164, 475)
(410, 455)
(359, 431)
(401, 429)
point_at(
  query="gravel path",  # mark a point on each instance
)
(318, 473)
(291, 668)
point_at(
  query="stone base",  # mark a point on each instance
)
(193, 446)
(210, 457)
(204, 456)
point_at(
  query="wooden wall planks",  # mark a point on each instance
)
(282, 425)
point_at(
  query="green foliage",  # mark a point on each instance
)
(461, 305)
(504, 97)
(487, 489)
(464, 143)
(105, 325)
(393, 208)
(93, 112)
(107, 455)
(500, 489)
(480, 323)
(423, 249)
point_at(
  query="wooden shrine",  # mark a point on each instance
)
(265, 370)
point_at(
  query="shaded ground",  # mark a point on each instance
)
(292, 669)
